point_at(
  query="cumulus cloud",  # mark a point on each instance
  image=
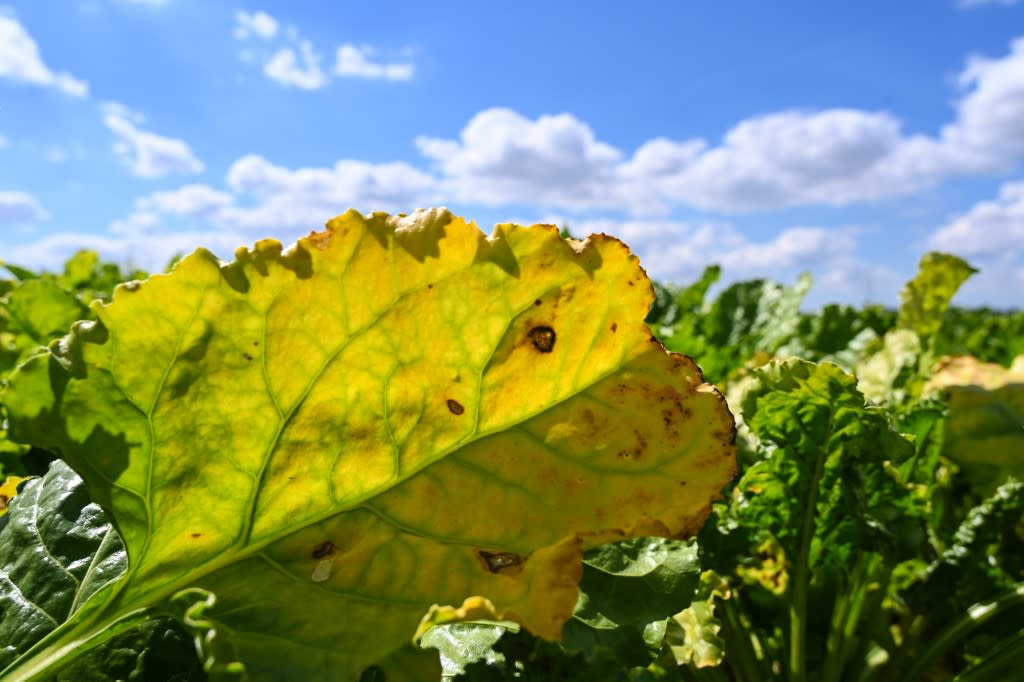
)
(357, 62)
(259, 24)
(138, 223)
(20, 60)
(678, 251)
(988, 229)
(503, 157)
(266, 198)
(189, 200)
(147, 251)
(296, 69)
(990, 235)
(147, 154)
(296, 63)
(19, 208)
(780, 159)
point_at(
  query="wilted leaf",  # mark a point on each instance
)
(395, 412)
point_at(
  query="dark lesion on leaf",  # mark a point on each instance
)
(196, 535)
(543, 338)
(455, 407)
(323, 550)
(496, 562)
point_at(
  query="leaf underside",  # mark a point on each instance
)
(395, 413)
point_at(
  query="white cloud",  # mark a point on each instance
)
(285, 67)
(503, 157)
(780, 159)
(189, 200)
(19, 208)
(147, 154)
(356, 62)
(298, 64)
(148, 251)
(271, 199)
(259, 24)
(678, 251)
(980, 3)
(305, 197)
(56, 154)
(990, 228)
(138, 223)
(990, 235)
(20, 60)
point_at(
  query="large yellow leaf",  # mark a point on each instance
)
(984, 430)
(394, 413)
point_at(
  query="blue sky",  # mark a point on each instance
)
(772, 138)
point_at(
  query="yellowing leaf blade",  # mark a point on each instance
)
(394, 413)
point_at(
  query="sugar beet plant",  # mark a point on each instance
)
(404, 450)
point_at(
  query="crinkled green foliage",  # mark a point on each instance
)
(57, 549)
(36, 309)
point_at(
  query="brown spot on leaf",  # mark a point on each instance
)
(247, 357)
(323, 550)
(3, 501)
(615, 327)
(255, 343)
(321, 240)
(455, 407)
(496, 562)
(537, 302)
(197, 535)
(543, 338)
(430, 286)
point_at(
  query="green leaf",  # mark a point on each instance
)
(463, 643)
(749, 317)
(395, 413)
(626, 587)
(691, 298)
(19, 272)
(158, 650)
(57, 550)
(42, 310)
(693, 635)
(80, 269)
(829, 492)
(925, 299)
